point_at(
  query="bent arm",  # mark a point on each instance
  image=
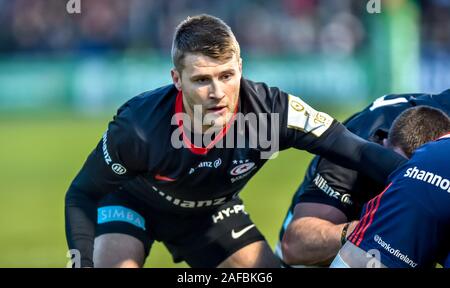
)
(305, 128)
(80, 219)
(119, 147)
(347, 149)
(314, 235)
(81, 208)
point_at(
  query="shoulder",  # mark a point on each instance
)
(142, 114)
(259, 93)
(381, 113)
(253, 87)
(260, 97)
(161, 99)
(442, 100)
(378, 117)
(436, 150)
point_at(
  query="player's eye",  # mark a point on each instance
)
(227, 76)
(201, 80)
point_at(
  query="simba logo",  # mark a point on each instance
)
(119, 213)
(429, 178)
(322, 184)
(190, 204)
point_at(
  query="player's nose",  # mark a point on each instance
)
(216, 91)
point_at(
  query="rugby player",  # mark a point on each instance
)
(149, 180)
(408, 224)
(328, 203)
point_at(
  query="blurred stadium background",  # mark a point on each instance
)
(62, 76)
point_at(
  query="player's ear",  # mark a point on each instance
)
(400, 151)
(176, 78)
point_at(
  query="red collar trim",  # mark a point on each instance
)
(195, 149)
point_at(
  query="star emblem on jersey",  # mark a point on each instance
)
(242, 168)
(238, 234)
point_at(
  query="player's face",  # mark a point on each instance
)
(211, 86)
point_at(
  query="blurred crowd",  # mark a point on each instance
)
(435, 25)
(262, 26)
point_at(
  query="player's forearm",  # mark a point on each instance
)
(93, 182)
(311, 241)
(347, 149)
(80, 214)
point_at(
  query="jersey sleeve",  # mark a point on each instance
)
(304, 128)
(118, 157)
(332, 185)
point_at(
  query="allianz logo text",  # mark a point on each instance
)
(189, 203)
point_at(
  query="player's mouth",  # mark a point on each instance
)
(219, 109)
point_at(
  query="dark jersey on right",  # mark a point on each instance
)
(347, 190)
